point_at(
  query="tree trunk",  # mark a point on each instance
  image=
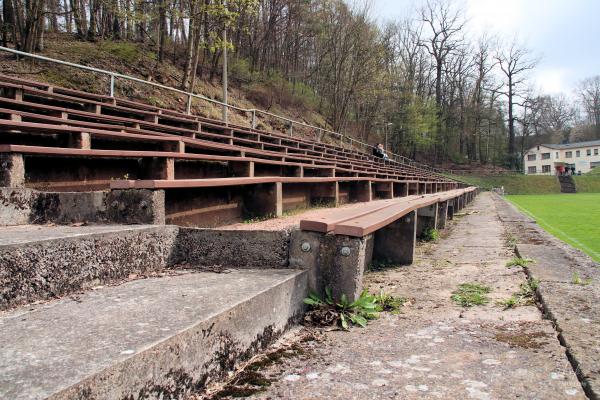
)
(189, 54)
(91, 33)
(511, 126)
(162, 29)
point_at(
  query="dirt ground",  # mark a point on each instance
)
(434, 348)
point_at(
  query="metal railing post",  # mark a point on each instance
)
(112, 85)
(291, 128)
(188, 108)
(253, 119)
(225, 116)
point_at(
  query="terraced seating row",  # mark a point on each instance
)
(60, 139)
(83, 108)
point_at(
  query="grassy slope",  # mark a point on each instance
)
(532, 184)
(135, 60)
(594, 172)
(515, 183)
(573, 218)
(587, 183)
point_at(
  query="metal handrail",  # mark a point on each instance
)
(190, 95)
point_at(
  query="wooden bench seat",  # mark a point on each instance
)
(128, 132)
(370, 217)
(87, 100)
(343, 243)
(123, 135)
(73, 152)
(51, 129)
(370, 222)
(196, 183)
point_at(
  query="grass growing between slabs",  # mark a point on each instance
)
(573, 218)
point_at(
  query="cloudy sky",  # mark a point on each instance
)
(565, 34)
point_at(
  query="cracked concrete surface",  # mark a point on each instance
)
(574, 308)
(435, 348)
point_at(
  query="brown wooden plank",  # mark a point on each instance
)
(190, 183)
(369, 223)
(326, 223)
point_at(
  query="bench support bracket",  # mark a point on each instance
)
(426, 218)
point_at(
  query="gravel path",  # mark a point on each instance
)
(436, 349)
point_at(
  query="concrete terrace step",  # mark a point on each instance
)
(150, 338)
(44, 262)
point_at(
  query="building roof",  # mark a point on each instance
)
(572, 145)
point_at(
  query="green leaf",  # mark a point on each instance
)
(359, 320)
(329, 296)
(312, 302)
(344, 321)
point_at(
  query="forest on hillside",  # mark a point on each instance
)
(439, 93)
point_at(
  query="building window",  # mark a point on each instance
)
(545, 156)
(557, 154)
(588, 152)
(545, 168)
(531, 157)
(568, 154)
(595, 152)
(594, 164)
(531, 170)
(578, 153)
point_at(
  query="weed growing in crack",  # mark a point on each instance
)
(576, 280)
(511, 241)
(519, 262)
(257, 218)
(389, 303)
(471, 294)
(344, 313)
(379, 265)
(430, 235)
(525, 295)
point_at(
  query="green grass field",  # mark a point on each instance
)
(573, 218)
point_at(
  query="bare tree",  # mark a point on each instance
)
(514, 62)
(445, 25)
(589, 95)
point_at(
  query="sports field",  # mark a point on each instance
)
(574, 218)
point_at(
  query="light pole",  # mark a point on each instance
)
(225, 66)
(385, 132)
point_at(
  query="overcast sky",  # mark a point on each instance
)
(565, 34)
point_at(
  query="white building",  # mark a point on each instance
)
(551, 159)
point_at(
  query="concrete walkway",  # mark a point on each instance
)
(435, 348)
